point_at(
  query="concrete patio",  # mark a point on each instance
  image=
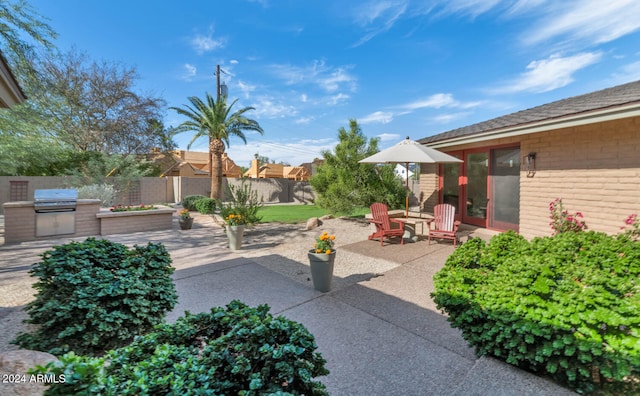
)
(379, 331)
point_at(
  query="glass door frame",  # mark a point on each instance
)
(466, 218)
(463, 182)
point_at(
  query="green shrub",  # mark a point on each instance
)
(206, 205)
(243, 201)
(189, 201)
(566, 306)
(97, 295)
(234, 351)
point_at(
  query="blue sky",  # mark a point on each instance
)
(399, 67)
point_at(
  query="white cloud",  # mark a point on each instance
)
(434, 101)
(304, 120)
(386, 137)
(628, 73)
(378, 17)
(268, 107)
(378, 117)
(202, 43)
(189, 71)
(337, 99)
(447, 118)
(245, 88)
(595, 21)
(330, 79)
(472, 8)
(549, 74)
(293, 153)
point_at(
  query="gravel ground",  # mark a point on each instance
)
(280, 247)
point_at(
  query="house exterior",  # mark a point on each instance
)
(584, 150)
(10, 92)
(195, 164)
(266, 171)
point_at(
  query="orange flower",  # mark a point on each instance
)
(328, 251)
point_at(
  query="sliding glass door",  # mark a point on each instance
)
(485, 189)
(475, 192)
(504, 187)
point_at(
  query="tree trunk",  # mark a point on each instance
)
(216, 149)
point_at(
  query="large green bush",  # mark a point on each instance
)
(205, 205)
(97, 295)
(234, 351)
(567, 306)
(189, 202)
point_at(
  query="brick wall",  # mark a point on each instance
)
(428, 187)
(595, 169)
(20, 221)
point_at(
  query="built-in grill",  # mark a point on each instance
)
(55, 211)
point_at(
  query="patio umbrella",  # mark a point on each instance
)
(409, 151)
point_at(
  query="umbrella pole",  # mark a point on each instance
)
(406, 195)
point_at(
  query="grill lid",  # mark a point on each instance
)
(55, 200)
(55, 195)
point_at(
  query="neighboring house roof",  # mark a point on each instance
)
(10, 92)
(197, 162)
(612, 103)
(296, 173)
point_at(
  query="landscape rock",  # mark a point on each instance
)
(313, 222)
(13, 369)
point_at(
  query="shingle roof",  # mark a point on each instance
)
(606, 98)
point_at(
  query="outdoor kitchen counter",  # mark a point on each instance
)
(20, 220)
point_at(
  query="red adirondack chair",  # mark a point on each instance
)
(445, 225)
(384, 228)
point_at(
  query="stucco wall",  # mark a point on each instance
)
(155, 190)
(595, 169)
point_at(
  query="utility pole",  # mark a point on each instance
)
(218, 81)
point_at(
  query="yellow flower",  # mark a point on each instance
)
(328, 251)
(231, 216)
(333, 237)
(318, 250)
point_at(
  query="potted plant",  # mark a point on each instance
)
(185, 220)
(321, 259)
(234, 225)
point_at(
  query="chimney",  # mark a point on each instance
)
(255, 168)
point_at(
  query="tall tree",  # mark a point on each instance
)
(342, 183)
(92, 106)
(212, 118)
(22, 30)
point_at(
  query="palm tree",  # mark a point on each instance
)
(215, 120)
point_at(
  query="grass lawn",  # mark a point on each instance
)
(297, 213)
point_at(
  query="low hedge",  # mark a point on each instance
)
(567, 306)
(205, 205)
(97, 295)
(189, 202)
(234, 351)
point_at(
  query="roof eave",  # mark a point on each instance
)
(12, 92)
(591, 117)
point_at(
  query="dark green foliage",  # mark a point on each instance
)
(343, 184)
(234, 351)
(97, 295)
(205, 205)
(189, 202)
(567, 306)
